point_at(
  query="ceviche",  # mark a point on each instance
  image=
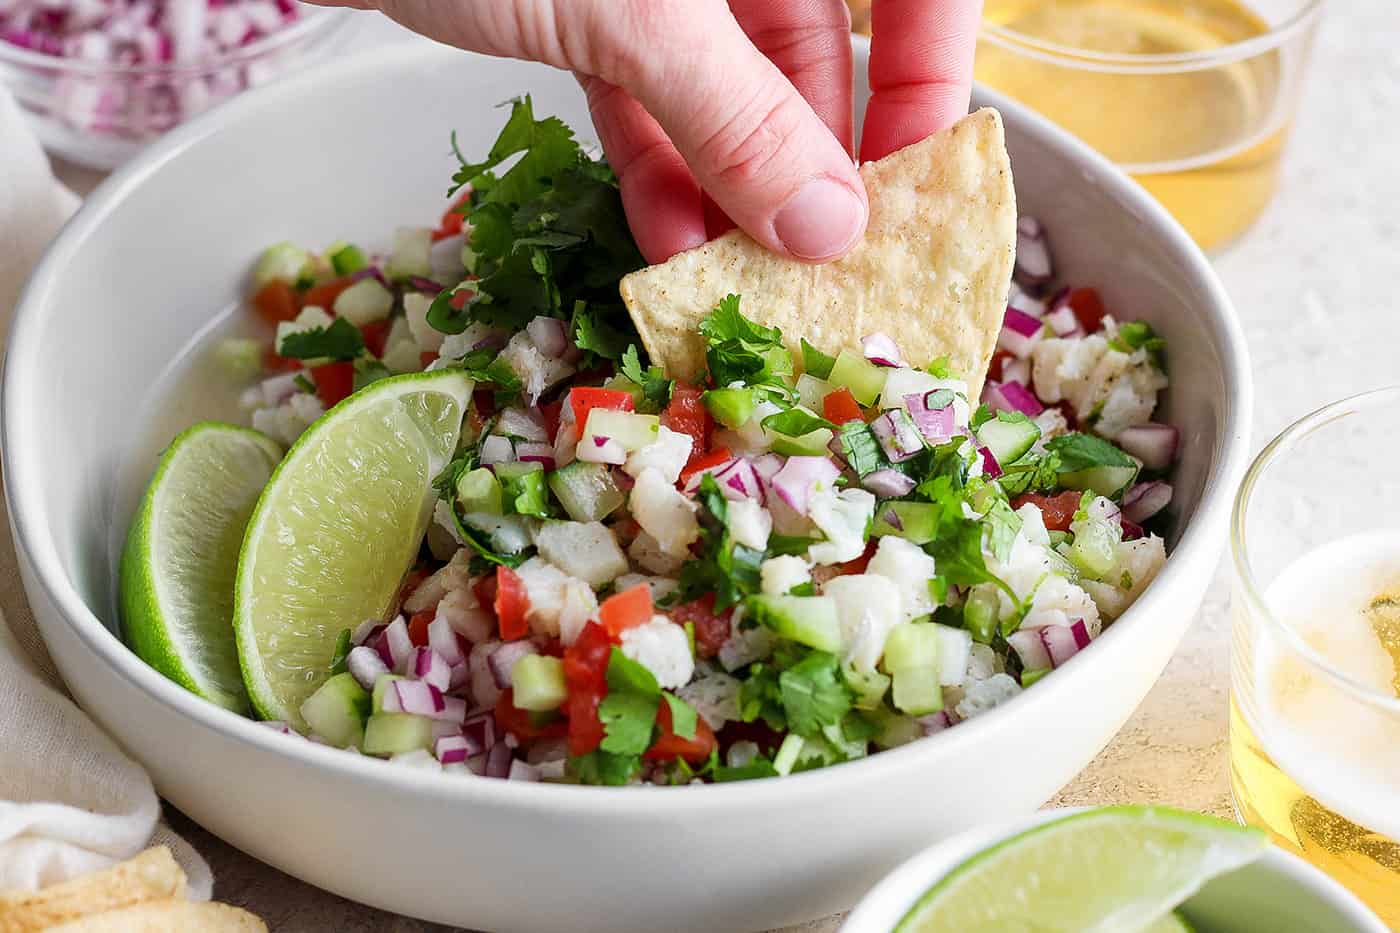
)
(571, 564)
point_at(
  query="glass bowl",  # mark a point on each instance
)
(99, 114)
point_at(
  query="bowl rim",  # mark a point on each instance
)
(315, 22)
(23, 376)
(898, 891)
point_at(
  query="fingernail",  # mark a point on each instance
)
(821, 221)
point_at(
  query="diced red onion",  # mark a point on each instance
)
(1019, 333)
(423, 284)
(414, 697)
(1014, 370)
(480, 733)
(881, 350)
(365, 665)
(451, 749)
(1063, 642)
(1062, 319)
(443, 639)
(1145, 500)
(520, 771)
(549, 336)
(504, 658)
(454, 709)
(937, 425)
(889, 484)
(440, 728)
(1030, 649)
(599, 448)
(990, 468)
(1018, 398)
(1154, 444)
(535, 452)
(461, 676)
(277, 389)
(429, 667)
(524, 424)
(739, 480)
(693, 483)
(365, 631)
(491, 341)
(799, 477)
(1033, 264)
(370, 272)
(394, 645)
(937, 722)
(497, 449)
(898, 436)
(498, 761)
(1025, 302)
(767, 466)
(1081, 633)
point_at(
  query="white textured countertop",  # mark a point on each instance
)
(1312, 285)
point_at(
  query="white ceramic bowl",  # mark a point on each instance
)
(1276, 893)
(352, 151)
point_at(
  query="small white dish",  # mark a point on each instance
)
(1278, 893)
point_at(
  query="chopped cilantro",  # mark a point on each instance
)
(815, 363)
(368, 371)
(860, 447)
(628, 712)
(304, 384)
(486, 365)
(656, 388)
(340, 340)
(466, 460)
(1002, 525)
(981, 416)
(1078, 452)
(723, 567)
(813, 694)
(760, 767)
(795, 422)
(527, 494)
(342, 652)
(683, 716)
(761, 697)
(593, 334)
(742, 351)
(600, 767)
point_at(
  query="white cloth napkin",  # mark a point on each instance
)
(71, 801)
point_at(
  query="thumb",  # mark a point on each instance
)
(751, 140)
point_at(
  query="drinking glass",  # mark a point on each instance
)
(1315, 655)
(1193, 98)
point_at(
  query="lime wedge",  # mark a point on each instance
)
(181, 556)
(338, 526)
(1113, 870)
(1172, 923)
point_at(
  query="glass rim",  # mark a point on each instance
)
(1247, 586)
(1070, 56)
(316, 22)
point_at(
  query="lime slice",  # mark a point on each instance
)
(1113, 870)
(1172, 923)
(181, 556)
(338, 526)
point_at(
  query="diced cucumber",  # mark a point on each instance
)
(1030, 677)
(916, 691)
(914, 645)
(511, 471)
(1008, 440)
(807, 620)
(786, 757)
(282, 262)
(895, 729)
(869, 688)
(412, 253)
(587, 491)
(337, 711)
(915, 521)
(381, 687)
(394, 733)
(478, 491)
(510, 534)
(629, 430)
(240, 358)
(365, 302)
(538, 682)
(1105, 480)
(811, 444)
(346, 258)
(980, 614)
(812, 392)
(1094, 549)
(730, 407)
(862, 377)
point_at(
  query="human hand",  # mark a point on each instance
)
(748, 102)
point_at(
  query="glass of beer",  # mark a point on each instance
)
(1193, 98)
(1315, 656)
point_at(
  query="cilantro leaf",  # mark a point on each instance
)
(683, 716)
(761, 697)
(760, 767)
(526, 494)
(340, 340)
(656, 388)
(341, 653)
(600, 767)
(1078, 451)
(592, 334)
(445, 483)
(368, 371)
(741, 350)
(723, 567)
(981, 416)
(813, 694)
(628, 676)
(628, 712)
(794, 422)
(548, 146)
(815, 363)
(1002, 526)
(1038, 472)
(861, 449)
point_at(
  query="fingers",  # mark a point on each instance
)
(661, 197)
(752, 142)
(920, 70)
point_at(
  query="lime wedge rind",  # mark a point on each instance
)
(1110, 870)
(338, 525)
(180, 557)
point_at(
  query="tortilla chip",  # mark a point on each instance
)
(152, 875)
(167, 917)
(932, 272)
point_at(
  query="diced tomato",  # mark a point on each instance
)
(860, 563)
(712, 629)
(425, 359)
(584, 399)
(453, 219)
(669, 746)
(334, 382)
(459, 298)
(484, 589)
(702, 462)
(511, 604)
(1088, 308)
(841, 406)
(585, 728)
(1057, 510)
(586, 660)
(552, 647)
(519, 722)
(625, 610)
(375, 334)
(550, 412)
(276, 302)
(279, 364)
(418, 626)
(687, 414)
(997, 366)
